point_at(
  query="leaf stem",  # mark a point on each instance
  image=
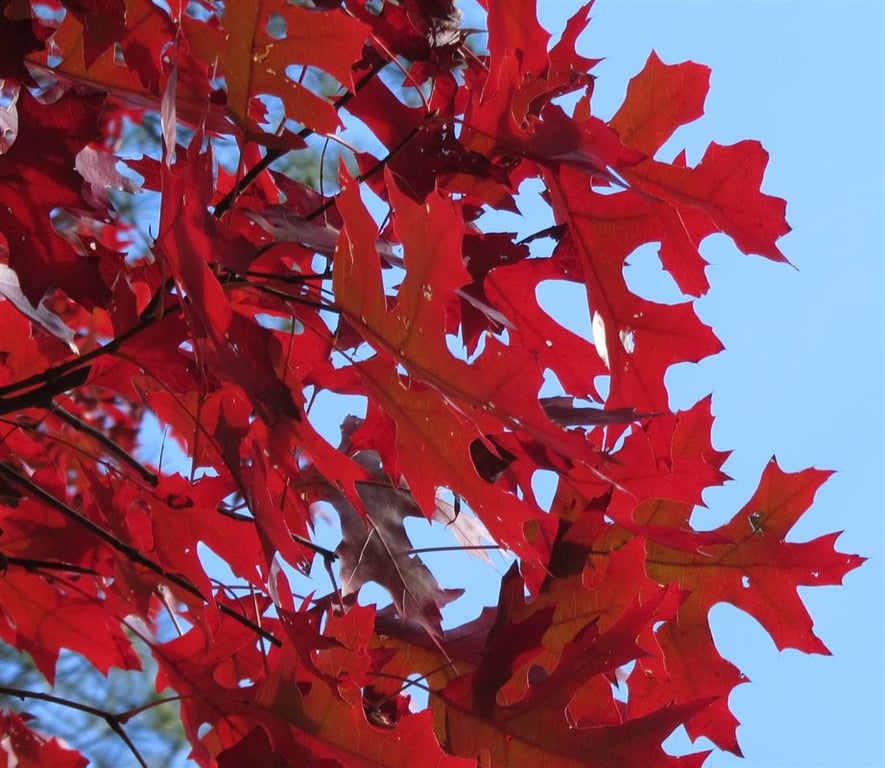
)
(454, 548)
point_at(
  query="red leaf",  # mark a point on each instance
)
(254, 63)
(543, 726)
(433, 448)
(660, 99)
(25, 748)
(721, 194)
(38, 177)
(741, 572)
(243, 352)
(42, 616)
(502, 382)
(641, 339)
(238, 328)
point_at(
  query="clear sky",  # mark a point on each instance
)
(802, 374)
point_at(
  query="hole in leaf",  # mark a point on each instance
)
(552, 387)
(544, 484)
(277, 26)
(267, 110)
(646, 277)
(602, 384)
(565, 302)
(282, 323)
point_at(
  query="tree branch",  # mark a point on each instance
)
(111, 719)
(129, 551)
(106, 442)
(273, 154)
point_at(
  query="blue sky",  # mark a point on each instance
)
(802, 374)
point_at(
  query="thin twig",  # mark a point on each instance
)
(453, 548)
(273, 154)
(125, 717)
(49, 565)
(110, 445)
(291, 278)
(373, 170)
(130, 552)
(111, 719)
(326, 554)
(39, 389)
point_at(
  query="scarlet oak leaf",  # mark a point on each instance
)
(593, 596)
(254, 62)
(148, 44)
(181, 514)
(721, 194)
(42, 616)
(502, 382)
(740, 572)
(545, 724)
(264, 301)
(38, 177)
(668, 456)
(573, 359)
(241, 351)
(378, 549)
(25, 748)
(433, 444)
(660, 99)
(642, 338)
(342, 733)
(511, 29)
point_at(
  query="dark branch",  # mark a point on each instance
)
(113, 721)
(130, 552)
(273, 154)
(107, 443)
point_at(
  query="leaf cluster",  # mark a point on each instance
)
(256, 290)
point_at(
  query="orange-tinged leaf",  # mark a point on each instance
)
(660, 99)
(545, 725)
(254, 62)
